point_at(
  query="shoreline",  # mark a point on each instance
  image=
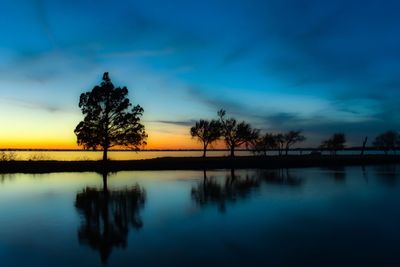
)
(197, 163)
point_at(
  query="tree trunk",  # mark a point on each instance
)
(105, 154)
(286, 150)
(232, 151)
(204, 151)
(363, 146)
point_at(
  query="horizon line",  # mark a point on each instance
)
(182, 149)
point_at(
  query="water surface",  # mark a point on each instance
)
(296, 217)
(131, 155)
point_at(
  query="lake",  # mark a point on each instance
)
(345, 216)
(131, 155)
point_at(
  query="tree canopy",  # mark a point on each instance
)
(264, 143)
(236, 133)
(387, 141)
(335, 143)
(206, 132)
(292, 137)
(110, 119)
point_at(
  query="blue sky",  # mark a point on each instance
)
(320, 66)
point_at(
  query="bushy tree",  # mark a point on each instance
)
(236, 133)
(335, 143)
(387, 141)
(110, 119)
(206, 132)
(264, 143)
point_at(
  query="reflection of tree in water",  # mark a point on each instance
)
(4, 177)
(339, 173)
(388, 174)
(107, 216)
(236, 187)
(279, 177)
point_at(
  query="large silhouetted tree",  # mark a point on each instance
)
(236, 134)
(387, 141)
(206, 132)
(335, 143)
(110, 119)
(291, 138)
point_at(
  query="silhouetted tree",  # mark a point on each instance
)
(280, 141)
(206, 132)
(107, 216)
(335, 143)
(110, 120)
(264, 143)
(387, 141)
(291, 138)
(236, 134)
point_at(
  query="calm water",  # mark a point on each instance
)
(130, 155)
(113, 155)
(297, 217)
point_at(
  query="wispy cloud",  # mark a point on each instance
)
(32, 105)
(140, 53)
(185, 123)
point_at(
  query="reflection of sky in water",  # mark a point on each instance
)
(297, 217)
(131, 155)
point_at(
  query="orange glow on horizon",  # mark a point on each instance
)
(157, 140)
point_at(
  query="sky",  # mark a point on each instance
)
(319, 66)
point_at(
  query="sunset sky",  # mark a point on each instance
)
(319, 66)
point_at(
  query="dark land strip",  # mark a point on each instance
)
(196, 163)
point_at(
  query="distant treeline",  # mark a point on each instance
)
(238, 134)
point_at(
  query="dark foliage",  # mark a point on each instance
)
(335, 143)
(387, 141)
(110, 119)
(206, 132)
(291, 138)
(266, 142)
(236, 133)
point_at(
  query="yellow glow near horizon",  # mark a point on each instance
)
(156, 140)
(56, 140)
(37, 129)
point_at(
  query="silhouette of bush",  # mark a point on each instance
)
(8, 156)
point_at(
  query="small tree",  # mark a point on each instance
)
(110, 120)
(335, 143)
(206, 132)
(264, 143)
(387, 141)
(291, 138)
(236, 134)
(280, 142)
